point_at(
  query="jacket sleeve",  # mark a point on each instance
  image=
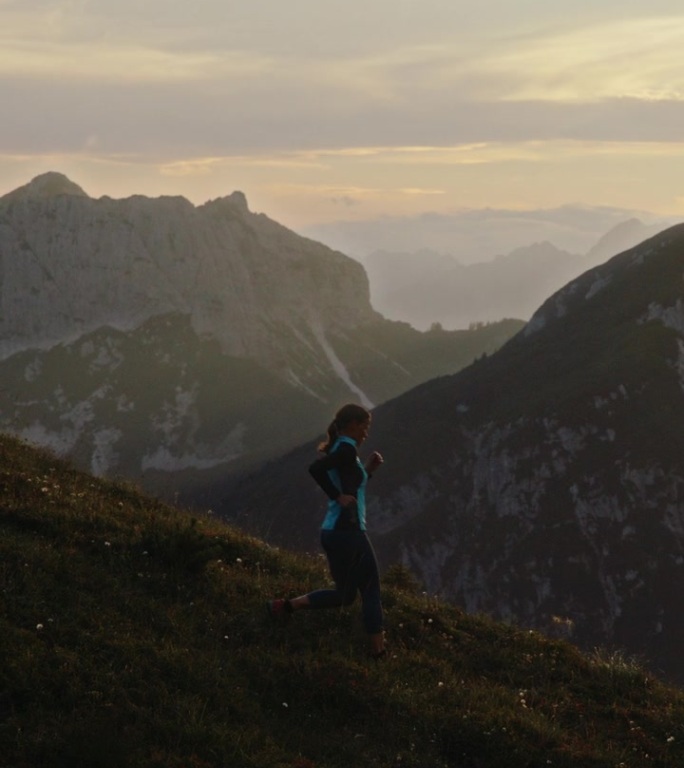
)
(344, 461)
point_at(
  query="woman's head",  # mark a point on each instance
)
(351, 420)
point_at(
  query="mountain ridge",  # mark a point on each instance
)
(171, 343)
(50, 184)
(145, 254)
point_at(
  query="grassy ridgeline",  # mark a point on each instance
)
(135, 635)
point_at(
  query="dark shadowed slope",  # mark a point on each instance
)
(546, 480)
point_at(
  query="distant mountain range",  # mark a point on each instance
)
(477, 235)
(425, 287)
(171, 344)
(545, 482)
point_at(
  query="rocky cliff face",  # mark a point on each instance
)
(171, 343)
(545, 483)
(70, 264)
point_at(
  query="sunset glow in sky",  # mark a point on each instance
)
(323, 110)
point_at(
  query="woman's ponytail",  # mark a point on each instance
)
(333, 433)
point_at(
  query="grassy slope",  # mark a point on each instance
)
(135, 635)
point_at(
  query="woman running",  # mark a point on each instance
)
(353, 566)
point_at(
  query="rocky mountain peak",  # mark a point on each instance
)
(239, 200)
(72, 264)
(47, 185)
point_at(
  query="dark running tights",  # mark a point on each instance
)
(353, 568)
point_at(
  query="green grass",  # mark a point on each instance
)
(132, 634)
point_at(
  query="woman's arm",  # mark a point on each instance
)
(344, 461)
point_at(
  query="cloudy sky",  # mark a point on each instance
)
(326, 110)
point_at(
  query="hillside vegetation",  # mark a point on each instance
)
(132, 634)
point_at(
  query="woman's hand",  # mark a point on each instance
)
(373, 462)
(345, 499)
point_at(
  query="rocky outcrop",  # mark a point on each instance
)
(70, 264)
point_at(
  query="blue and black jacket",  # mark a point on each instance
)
(340, 471)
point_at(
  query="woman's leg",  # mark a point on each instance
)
(369, 587)
(354, 568)
(342, 551)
